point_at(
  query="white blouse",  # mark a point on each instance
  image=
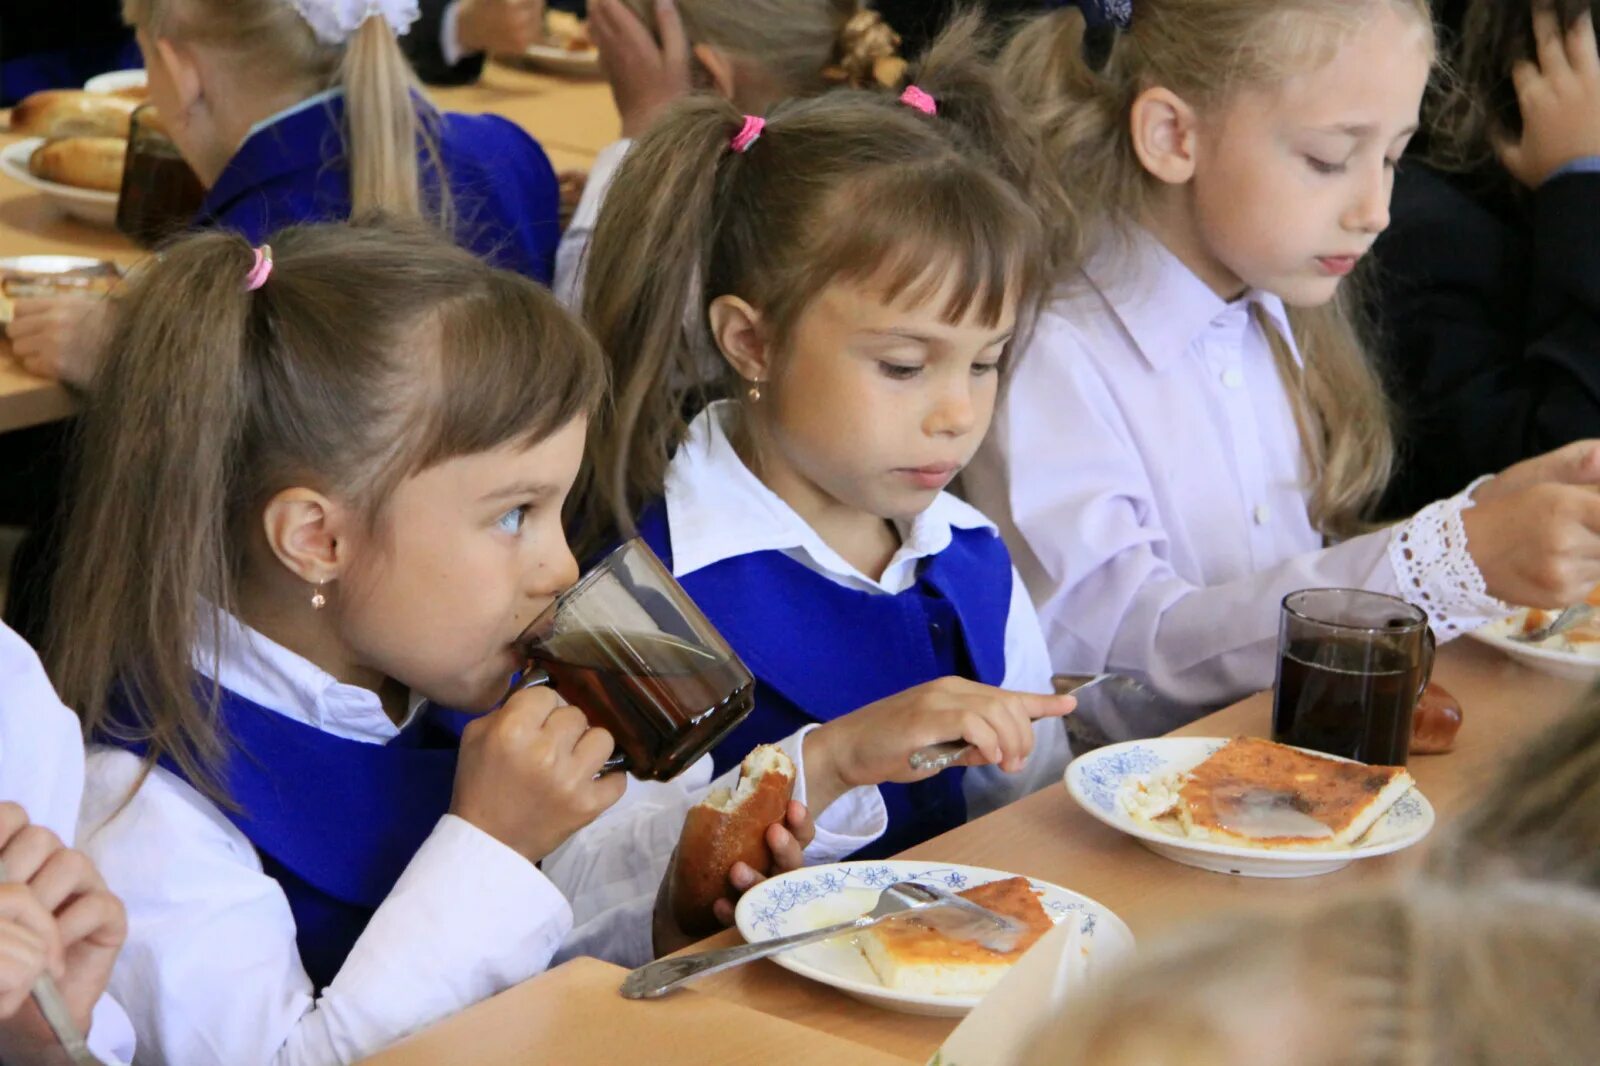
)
(212, 973)
(1146, 470)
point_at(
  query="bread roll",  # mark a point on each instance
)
(84, 162)
(73, 113)
(1436, 722)
(725, 828)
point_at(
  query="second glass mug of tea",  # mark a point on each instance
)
(629, 648)
(160, 193)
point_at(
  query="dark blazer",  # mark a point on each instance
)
(1488, 300)
(425, 50)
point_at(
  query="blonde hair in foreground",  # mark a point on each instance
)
(371, 353)
(272, 46)
(1501, 974)
(1205, 50)
(848, 186)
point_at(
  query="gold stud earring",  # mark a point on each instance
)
(318, 600)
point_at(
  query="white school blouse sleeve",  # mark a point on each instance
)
(573, 250)
(211, 972)
(612, 868)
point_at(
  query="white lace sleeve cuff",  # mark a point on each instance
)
(1435, 571)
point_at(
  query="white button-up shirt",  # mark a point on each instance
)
(212, 973)
(717, 509)
(41, 770)
(1147, 472)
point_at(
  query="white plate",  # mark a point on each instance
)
(1567, 664)
(558, 60)
(117, 80)
(822, 895)
(91, 205)
(1095, 779)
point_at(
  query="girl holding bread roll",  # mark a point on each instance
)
(360, 438)
(857, 264)
(296, 111)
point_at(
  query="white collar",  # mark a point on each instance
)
(717, 509)
(1163, 305)
(265, 672)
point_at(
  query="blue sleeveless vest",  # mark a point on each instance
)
(335, 821)
(820, 650)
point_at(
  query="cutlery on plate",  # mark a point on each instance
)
(971, 922)
(1572, 616)
(1119, 687)
(56, 1015)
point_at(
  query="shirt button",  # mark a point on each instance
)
(1233, 378)
(1261, 514)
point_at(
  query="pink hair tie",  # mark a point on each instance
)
(915, 97)
(261, 270)
(748, 133)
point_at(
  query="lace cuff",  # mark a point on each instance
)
(1435, 571)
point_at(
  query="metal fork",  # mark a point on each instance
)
(1572, 616)
(662, 976)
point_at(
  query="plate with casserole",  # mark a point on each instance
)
(907, 964)
(1248, 806)
(26, 276)
(1573, 654)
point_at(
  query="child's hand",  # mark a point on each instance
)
(1577, 463)
(1559, 97)
(527, 773)
(59, 337)
(1539, 547)
(874, 744)
(505, 27)
(788, 841)
(85, 925)
(645, 76)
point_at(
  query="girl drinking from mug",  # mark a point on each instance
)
(1194, 429)
(857, 266)
(305, 111)
(318, 489)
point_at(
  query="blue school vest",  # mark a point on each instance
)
(503, 188)
(334, 821)
(819, 650)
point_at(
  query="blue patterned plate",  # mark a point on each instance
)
(821, 895)
(1095, 780)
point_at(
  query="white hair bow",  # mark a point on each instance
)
(336, 21)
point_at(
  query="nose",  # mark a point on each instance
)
(1368, 211)
(552, 572)
(954, 414)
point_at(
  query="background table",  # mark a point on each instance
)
(572, 118)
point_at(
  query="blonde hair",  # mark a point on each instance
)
(1204, 50)
(806, 46)
(1502, 974)
(371, 353)
(846, 186)
(1541, 817)
(384, 122)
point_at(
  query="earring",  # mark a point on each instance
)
(754, 392)
(318, 600)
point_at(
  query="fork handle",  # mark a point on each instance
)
(663, 975)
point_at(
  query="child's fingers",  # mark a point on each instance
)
(97, 917)
(1548, 38)
(1015, 731)
(722, 911)
(65, 874)
(798, 821)
(13, 819)
(787, 850)
(25, 920)
(22, 961)
(1583, 53)
(674, 42)
(980, 733)
(25, 853)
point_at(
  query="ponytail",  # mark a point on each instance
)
(384, 129)
(648, 316)
(162, 430)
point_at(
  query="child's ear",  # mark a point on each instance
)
(718, 67)
(306, 531)
(1164, 131)
(742, 336)
(182, 69)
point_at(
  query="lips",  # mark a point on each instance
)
(933, 476)
(1338, 265)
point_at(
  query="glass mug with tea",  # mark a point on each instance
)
(160, 193)
(1352, 666)
(629, 648)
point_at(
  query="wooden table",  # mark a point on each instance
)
(1049, 837)
(573, 119)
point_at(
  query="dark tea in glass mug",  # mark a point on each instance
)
(160, 193)
(629, 648)
(1351, 667)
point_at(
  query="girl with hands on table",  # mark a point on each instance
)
(1196, 429)
(851, 271)
(360, 439)
(750, 52)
